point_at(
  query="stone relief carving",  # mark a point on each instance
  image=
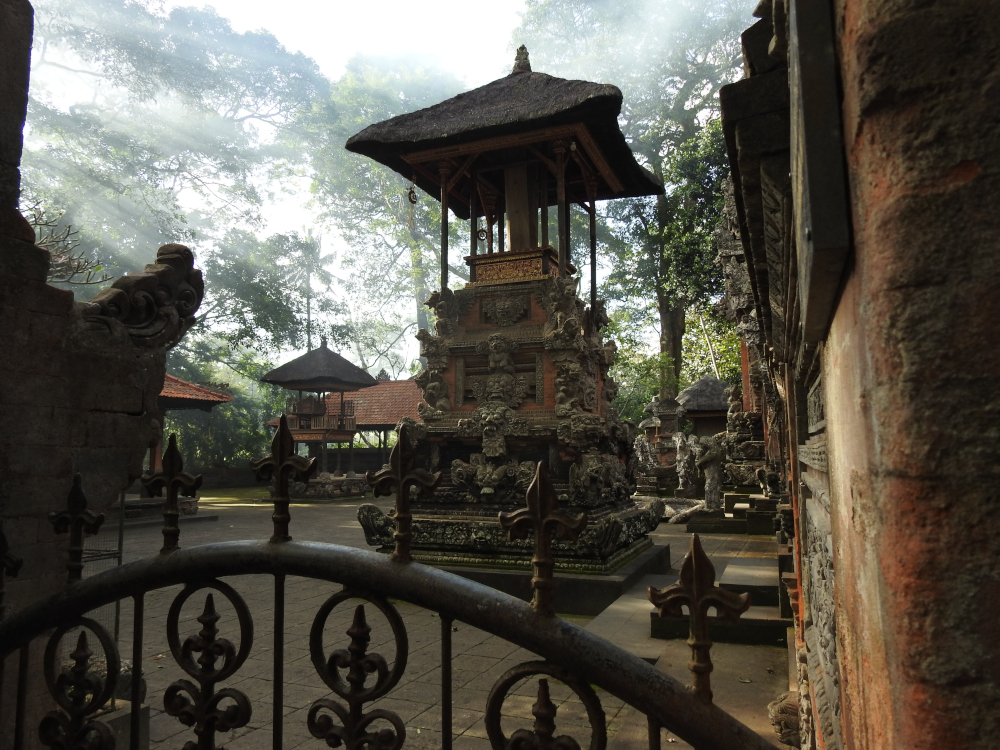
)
(820, 622)
(505, 311)
(499, 351)
(416, 430)
(596, 478)
(568, 380)
(505, 388)
(153, 308)
(487, 481)
(582, 431)
(494, 421)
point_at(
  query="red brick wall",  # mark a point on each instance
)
(912, 373)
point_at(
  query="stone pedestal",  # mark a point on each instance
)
(517, 374)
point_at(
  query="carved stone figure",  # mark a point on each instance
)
(493, 422)
(153, 308)
(434, 349)
(567, 383)
(783, 712)
(448, 307)
(435, 390)
(734, 396)
(770, 482)
(504, 387)
(710, 463)
(688, 450)
(644, 453)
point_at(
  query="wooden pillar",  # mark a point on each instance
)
(323, 463)
(501, 220)
(444, 171)
(473, 216)
(591, 183)
(338, 472)
(562, 212)
(350, 458)
(543, 202)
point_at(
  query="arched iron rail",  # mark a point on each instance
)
(370, 574)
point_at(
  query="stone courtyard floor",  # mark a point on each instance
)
(478, 658)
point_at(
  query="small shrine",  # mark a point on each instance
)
(317, 413)
(516, 366)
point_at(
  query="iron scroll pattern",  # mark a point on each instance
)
(202, 707)
(351, 726)
(79, 691)
(543, 735)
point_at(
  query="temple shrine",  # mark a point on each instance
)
(516, 366)
(317, 414)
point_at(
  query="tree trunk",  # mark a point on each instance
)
(671, 349)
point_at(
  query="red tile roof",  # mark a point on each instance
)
(180, 394)
(381, 405)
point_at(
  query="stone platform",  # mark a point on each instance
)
(575, 593)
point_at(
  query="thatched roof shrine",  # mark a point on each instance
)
(502, 122)
(707, 394)
(321, 371)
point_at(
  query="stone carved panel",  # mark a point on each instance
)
(505, 311)
(820, 622)
(489, 482)
(493, 422)
(815, 410)
(448, 307)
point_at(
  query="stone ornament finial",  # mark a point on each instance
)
(154, 308)
(521, 62)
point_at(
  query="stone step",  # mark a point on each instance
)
(758, 577)
(716, 525)
(757, 626)
(625, 622)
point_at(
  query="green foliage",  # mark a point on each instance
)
(231, 434)
(134, 112)
(667, 244)
(669, 58)
(395, 244)
(702, 328)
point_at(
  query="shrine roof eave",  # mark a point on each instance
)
(513, 106)
(318, 385)
(319, 370)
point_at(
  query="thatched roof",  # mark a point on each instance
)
(708, 394)
(519, 103)
(319, 370)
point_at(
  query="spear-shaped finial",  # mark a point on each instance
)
(697, 590)
(544, 520)
(10, 565)
(76, 519)
(400, 476)
(172, 478)
(280, 465)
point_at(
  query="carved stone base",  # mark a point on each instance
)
(474, 537)
(330, 488)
